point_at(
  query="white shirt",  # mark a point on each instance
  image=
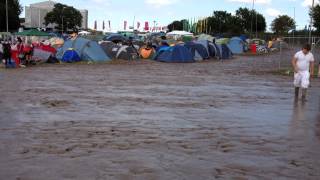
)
(303, 60)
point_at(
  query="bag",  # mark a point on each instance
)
(21, 56)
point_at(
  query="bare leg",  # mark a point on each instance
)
(304, 94)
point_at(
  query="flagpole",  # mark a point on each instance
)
(311, 24)
(7, 23)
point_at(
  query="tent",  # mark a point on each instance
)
(84, 33)
(214, 50)
(237, 45)
(86, 49)
(174, 54)
(110, 48)
(146, 53)
(222, 41)
(206, 37)
(116, 38)
(32, 32)
(180, 33)
(199, 51)
(225, 52)
(127, 53)
(70, 56)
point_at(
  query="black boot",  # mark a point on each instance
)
(296, 93)
(304, 94)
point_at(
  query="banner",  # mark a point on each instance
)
(109, 22)
(146, 26)
(125, 25)
(103, 25)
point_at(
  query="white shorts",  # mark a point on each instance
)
(302, 79)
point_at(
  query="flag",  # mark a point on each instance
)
(109, 22)
(95, 25)
(103, 25)
(125, 25)
(138, 25)
(146, 26)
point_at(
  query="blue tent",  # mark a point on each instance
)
(70, 56)
(225, 52)
(236, 45)
(175, 54)
(199, 52)
(86, 49)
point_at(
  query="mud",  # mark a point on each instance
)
(149, 120)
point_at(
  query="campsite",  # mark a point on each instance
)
(152, 120)
(159, 90)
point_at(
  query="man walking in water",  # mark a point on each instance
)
(303, 65)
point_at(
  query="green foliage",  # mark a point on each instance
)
(282, 24)
(315, 15)
(222, 22)
(64, 16)
(14, 10)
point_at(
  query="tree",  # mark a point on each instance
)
(14, 10)
(177, 25)
(251, 20)
(315, 15)
(65, 17)
(282, 24)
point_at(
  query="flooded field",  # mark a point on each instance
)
(149, 120)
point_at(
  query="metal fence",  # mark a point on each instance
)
(294, 44)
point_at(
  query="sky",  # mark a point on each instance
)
(166, 11)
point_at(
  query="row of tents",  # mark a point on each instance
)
(84, 49)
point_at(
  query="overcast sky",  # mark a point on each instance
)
(165, 11)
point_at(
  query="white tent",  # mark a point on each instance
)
(84, 33)
(180, 33)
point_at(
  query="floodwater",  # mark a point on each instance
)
(149, 120)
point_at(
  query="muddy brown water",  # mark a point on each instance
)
(149, 120)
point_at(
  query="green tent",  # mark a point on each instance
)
(222, 41)
(32, 32)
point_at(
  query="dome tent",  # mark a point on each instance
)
(86, 49)
(237, 45)
(174, 54)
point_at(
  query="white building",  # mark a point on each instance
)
(35, 13)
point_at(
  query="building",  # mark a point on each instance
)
(35, 13)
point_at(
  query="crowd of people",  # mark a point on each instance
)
(17, 52)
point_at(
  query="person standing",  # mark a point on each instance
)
(303, 65)
(1, 50)
(7, 53)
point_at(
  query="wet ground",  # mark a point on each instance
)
(149, 120)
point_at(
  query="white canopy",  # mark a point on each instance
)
(84, 33)
(181, 33)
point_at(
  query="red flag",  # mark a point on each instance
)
(138, 25)
(146, 26)
(103, 26)
(125, 25)
(95, 25)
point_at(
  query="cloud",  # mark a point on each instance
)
(250, 1)
(273, 12)
(160, 3)
(306, 3)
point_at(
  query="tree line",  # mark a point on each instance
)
(245, 21)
